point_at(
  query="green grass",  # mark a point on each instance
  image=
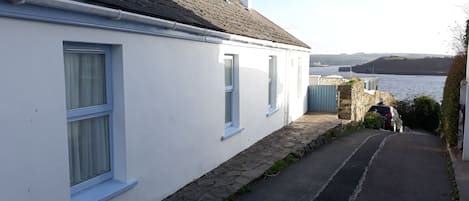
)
(241, 191)
(281, 164)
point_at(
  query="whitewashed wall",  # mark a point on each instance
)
(465, 154)
(169, 107)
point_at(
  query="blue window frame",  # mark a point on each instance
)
(272, 82)
(229, 90)
(231, 70)
(89, 114)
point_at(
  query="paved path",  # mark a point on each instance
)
(303, 179)
(303, 135)
(344, 183)
(410, 167)
(366, 166)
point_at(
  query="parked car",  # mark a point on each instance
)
(392, 119)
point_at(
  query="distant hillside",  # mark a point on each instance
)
(358, 58)
(406, 66)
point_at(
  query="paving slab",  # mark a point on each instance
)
(301, 136)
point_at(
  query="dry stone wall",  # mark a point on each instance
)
(354, 100)
(319, 80)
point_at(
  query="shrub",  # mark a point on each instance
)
(450, 105)
(423, 112)
(353, 81)
(407, 111)
(373, 120)
(427, 113)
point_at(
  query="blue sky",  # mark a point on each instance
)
(371, 26)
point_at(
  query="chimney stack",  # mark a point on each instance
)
(247, 4)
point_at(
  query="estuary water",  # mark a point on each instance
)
(401, 86)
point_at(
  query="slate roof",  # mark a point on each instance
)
(228, 16)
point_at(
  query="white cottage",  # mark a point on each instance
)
(133, 99)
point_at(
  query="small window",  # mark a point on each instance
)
(89, 108)
(229, 89)
(272, 83)
(231, 96)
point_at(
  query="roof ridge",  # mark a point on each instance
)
(219, 15)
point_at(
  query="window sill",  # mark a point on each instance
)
(104, 191)
(271, 112)
(230, 132)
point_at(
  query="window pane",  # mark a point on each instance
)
(228, 72)
(270, 93)
(271, 78)
(271, 68)
(85, 79)
(228, 107)
(299, 80)
(88, 148)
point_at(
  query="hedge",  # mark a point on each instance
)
(450, 105)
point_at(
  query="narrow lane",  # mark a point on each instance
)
(368, 165)
(410, 167)
(303, 179)
(343, 184)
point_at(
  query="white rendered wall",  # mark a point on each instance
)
(170, 107)
(465, 154)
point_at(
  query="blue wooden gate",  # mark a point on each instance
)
(322, 98)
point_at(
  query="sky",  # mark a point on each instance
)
(370, 26)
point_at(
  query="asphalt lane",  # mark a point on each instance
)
(343, 184)
(369, 165)
(410, 167)
(303, 179)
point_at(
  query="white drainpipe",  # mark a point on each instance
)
(117, 14)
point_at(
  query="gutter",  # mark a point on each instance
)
(116, 14)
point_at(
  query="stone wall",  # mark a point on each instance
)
(319, 80)
(344, 109)
(354, 100)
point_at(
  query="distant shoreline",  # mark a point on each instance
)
(404, 66)
(406, 73)
(398, 64)
(345, 69)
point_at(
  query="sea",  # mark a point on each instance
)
(401, 86)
